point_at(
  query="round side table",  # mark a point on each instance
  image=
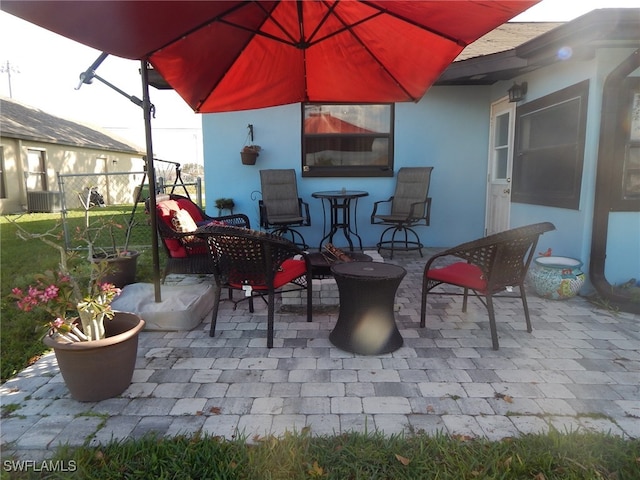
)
(366, 322)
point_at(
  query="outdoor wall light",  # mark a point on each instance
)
(517, 92)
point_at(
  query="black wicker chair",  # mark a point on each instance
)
(281, 208)
(185, 252)
(259, 264)
(492, 265)
(410, 206)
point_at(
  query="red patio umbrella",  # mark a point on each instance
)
(236, 55)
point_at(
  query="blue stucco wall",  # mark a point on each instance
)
(448, 129)
(573, 233)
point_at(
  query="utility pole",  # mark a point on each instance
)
(8, 69)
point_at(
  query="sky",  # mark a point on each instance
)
(44, 70)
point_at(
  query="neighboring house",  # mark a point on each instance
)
(35, 146)
(568, 152)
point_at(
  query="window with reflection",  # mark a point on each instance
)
(550, 136)
(347, 140)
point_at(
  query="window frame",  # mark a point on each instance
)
(626, 193)
(527, 190)
(348, 170)
(41, 173)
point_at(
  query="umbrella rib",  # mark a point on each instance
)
(416, 24)
(347, 27)
(330, 9)
(184, 34)
(374, 57)
(262, 34)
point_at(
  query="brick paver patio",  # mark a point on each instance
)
(578, 370)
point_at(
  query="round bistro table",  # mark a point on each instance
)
(366, 323)
(340, 214)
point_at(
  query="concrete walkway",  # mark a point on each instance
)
(578, 370)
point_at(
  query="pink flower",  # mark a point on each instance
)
(24, 304)
(50, 293)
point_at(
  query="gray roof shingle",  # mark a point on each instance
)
(506, 37)
(28, 123)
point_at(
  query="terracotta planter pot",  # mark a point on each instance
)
(248, 158)
(123, 269)
(100, 369)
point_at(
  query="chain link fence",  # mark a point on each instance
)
(108, 209)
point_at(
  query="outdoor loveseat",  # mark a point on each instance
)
(177, 217)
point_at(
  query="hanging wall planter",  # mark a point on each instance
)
(249, 154)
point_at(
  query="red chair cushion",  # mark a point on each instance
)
(289, 270)
(190, 207)
(461, 274)
(167, 210)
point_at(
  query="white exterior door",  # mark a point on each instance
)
(500, 164)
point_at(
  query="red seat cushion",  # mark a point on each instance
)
(461, 274)
(289, 270)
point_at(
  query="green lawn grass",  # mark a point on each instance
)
(358, 456)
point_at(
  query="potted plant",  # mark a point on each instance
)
(95, 346)
(249, 154)
(121, 262)
(225, 204)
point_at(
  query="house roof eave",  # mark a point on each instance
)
(610, 25)
(484, 70)
(604, 28)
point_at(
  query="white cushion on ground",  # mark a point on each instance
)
(181, 308)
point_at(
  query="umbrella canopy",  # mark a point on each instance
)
(236, 55)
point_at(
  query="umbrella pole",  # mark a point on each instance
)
(146, 107)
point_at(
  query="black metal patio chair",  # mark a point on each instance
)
(409, 206)
(281, 208)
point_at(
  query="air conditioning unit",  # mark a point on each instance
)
(41, 201)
